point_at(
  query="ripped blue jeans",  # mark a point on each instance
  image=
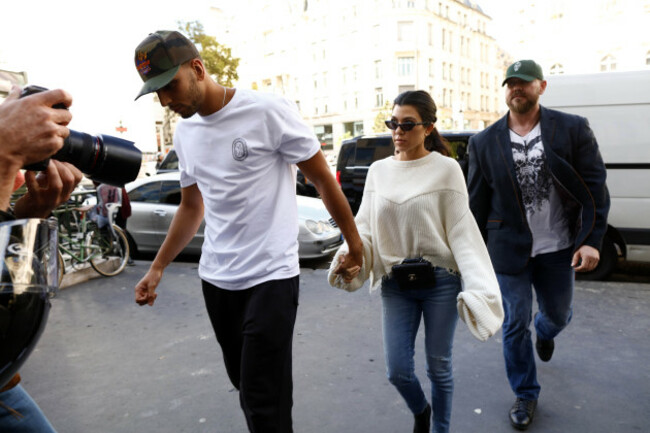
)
(403, 310)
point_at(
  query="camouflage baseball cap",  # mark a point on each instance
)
(159, 56)
(526, 70)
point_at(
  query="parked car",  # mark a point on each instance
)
(169, 163)
(356, 155)
(155, 199)
(303, 185)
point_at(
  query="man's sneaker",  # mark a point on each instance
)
(522, 413)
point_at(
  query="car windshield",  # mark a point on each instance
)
(170, 163)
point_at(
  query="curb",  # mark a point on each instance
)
(73, 276)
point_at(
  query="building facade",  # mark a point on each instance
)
(577, 37)
(344, 61)
(8, 79)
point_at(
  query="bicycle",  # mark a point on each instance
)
(80, 239)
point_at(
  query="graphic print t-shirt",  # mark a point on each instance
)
(544, 210)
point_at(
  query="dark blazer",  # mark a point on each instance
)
(578, 173)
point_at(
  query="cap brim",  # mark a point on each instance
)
(524, 77)
(158, 82)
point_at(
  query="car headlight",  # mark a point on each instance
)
(318, 227)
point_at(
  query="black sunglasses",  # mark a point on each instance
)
(406, 126)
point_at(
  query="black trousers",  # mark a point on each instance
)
(254, 328)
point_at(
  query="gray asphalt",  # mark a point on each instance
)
(106, 365)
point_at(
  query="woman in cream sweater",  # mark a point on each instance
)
(415, 205)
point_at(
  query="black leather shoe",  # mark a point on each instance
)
(423, 421)
(522, 412)
(544, 349)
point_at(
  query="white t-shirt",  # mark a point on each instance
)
(242, 159)
(544, 210)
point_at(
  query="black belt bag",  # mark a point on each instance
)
(415, 273)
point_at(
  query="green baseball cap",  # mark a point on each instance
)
(159, 56)
(526, 70)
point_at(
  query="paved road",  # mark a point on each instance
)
(106, 365)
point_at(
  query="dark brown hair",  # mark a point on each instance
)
(426, 108)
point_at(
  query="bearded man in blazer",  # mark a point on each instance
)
(537, 189)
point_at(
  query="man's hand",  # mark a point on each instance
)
(145, 290)
(30, 129)
(47, 189)
(585, 259)
(317, 171)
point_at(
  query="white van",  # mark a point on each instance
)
(617, 105)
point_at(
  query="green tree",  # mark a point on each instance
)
(218, 61)
(383, 115)
(345, 136)
(217, 58)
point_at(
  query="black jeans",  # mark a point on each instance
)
(254, 328)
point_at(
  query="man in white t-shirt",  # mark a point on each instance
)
(537, 188)
(237, 152)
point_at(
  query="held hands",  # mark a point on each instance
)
(145, 290)
(585, 259)
(348, 267)
(346, 273)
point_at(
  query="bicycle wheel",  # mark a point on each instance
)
(61, 267)
(109, 255)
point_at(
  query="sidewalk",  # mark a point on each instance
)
(106, 365)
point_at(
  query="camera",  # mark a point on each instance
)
(102, 158)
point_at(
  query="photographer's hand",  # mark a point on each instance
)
(47, 189)
(30, 131)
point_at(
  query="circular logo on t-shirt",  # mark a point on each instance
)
(239, 149)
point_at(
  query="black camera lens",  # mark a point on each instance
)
(103, 158)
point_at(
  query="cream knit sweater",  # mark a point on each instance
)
(420, 208)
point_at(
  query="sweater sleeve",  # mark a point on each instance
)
(479, 304)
